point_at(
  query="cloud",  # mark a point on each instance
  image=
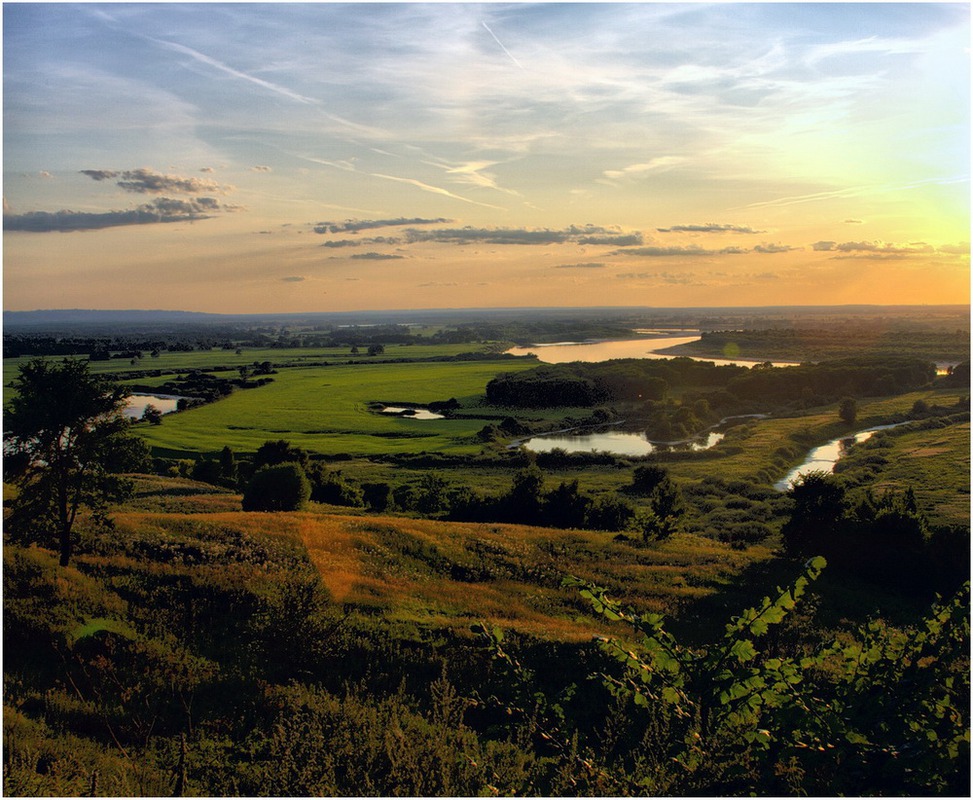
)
(355, 226)
(580, 234)
(261, 168)
(589, 265)
(691, 250)
(376, 257)
(147, 181)
(618, 240)
(853, 221)
(709, 227)
(164, 209)
(362, 242)
(774, 248)
(633, 170)
(293, 279)
(882, 248)
(961, 249)
(489, 236)
(207, 169)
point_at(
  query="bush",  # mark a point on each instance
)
(282, 487)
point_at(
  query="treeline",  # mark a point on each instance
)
(632, 380)
(586, 384)
(836, 341)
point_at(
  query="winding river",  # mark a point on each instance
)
(823, 458)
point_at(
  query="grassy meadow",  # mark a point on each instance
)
(326, 410)
(430, 575)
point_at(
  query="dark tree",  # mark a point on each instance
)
(818, 516)
(281, 487)
(152, 415)
(668, 508)
(228, 465)
(278, 452)
(848, 410)
(62, 428)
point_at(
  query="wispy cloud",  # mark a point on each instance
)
(376, 257)
(709, 227)
(357, 225)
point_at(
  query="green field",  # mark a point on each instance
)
(325, 410)
(174, 362)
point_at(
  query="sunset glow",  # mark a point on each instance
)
(315, 157)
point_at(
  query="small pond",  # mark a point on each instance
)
(410, 413)
(166, 403)
(615, 442)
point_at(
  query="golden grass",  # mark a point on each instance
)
(450, 575)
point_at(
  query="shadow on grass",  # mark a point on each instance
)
(835, 600)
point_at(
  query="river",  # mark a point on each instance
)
(823, 458)
(562, 352)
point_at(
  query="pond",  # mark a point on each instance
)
(823, 458)
(615, 442)
(135, 407)
(410, 413)
(562, 352)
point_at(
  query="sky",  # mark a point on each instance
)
(268, 158)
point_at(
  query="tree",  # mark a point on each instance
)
(281, 487)
(848, 410)
(278, 452)
(152, 415)
(62, 428)
(228, 465)
(818, 515)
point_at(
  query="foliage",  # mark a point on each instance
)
(281, 487)
(886, 712)
(61, 430)
(848, 410)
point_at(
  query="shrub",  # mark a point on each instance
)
(282, 487)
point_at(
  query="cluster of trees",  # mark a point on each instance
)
(634, 380)
(831, 380)
(284, 478)
(208, 387)
(620, 380)
(885, 539)
(838, 340)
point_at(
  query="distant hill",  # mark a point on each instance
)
(78, 316)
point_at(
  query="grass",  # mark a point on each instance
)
(325, 410)
(444, 575)
(181, 362)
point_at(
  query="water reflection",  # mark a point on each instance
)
(615, 442)
(562, 352)
(411, 413)
(136, 404)
(823, 458)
